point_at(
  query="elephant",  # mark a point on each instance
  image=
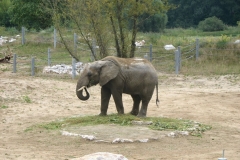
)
(134, 76)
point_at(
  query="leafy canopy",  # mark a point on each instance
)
(109, 22)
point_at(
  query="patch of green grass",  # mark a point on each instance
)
(3, 107)
(48, 126)
(158, 123)
(26, 99)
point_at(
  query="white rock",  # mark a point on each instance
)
(102, 156)
(169, 47)
(237, 41)
(143, 140)
(140, 43)
(88, 137)
(172, 134)
(119, 140)
(12, 40)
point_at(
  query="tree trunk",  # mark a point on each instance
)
(134, 34)
(116, 38)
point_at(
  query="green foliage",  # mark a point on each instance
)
(3, 107)
(30, 14)
(211, 24)
(158, 123)
(51, 126)
(223, 42)
(155, 23)
(238, 23)
(109, 22)
(4, 16)
(26, 99)
(189, 13)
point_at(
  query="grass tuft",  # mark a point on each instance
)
(3, 107)
(26, 99)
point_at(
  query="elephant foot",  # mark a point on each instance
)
(134, 113)
(103, 114)
(120, 114)
(141, 115)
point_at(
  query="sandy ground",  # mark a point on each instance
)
(209, 100)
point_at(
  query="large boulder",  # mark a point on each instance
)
(102, 156)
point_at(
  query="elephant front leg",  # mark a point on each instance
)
(105, 97)
(117, 96)
(136, 102)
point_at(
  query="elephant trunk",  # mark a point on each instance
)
(80, 95)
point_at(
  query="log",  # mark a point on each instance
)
(6, 59)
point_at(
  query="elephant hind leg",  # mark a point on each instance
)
(136, 103)
(143, 110)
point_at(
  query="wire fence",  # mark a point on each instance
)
(59, 62)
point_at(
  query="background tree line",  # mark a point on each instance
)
(187, 13)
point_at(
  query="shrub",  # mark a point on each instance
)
(212, 24)
(223, 42)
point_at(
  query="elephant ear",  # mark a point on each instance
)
(109, 71)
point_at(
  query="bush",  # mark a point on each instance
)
(211, 24)
(223, 42)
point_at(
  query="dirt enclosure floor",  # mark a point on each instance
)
(208, 100)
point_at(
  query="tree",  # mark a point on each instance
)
(86, 18)
(4, 16)
(106, 20)
(122, 12)
(155, 23)
(29, 14)
(211, 24)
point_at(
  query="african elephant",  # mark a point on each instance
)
(134, 76)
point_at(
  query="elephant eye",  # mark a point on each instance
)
(89, 74)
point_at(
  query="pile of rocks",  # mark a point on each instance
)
(64, 69)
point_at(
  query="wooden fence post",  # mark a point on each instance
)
(55, 38)
(176, 62)
(179, 58)
(14, 63)
(49, 57)
(150, 53)
(197, 49)
(73, 68)
(23, 35)
(32, 66)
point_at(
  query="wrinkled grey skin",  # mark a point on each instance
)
(133, 76)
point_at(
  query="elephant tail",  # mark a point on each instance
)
(157, 100)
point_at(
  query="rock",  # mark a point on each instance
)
(87, 137)
(119, 140)
(142, 122)
(143, 140)
(102, 156)
(178, 133)
(237, 41)
(169, 47)
(64, 69)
